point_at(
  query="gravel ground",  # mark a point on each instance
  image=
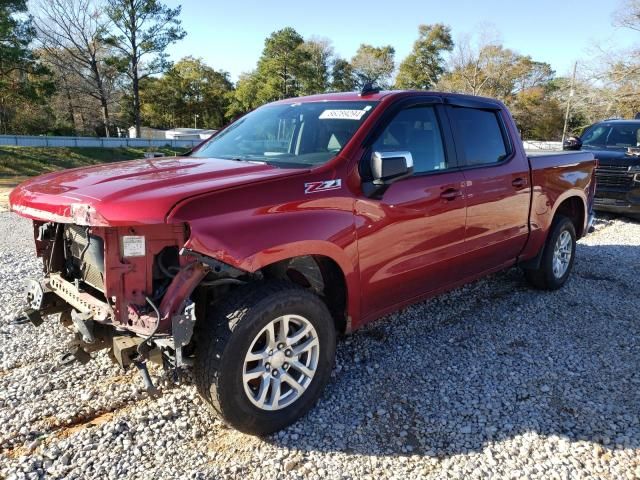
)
(492, 379)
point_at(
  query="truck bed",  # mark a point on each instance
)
(554, 177)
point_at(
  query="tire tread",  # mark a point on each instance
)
(221, 322)
(542, 277)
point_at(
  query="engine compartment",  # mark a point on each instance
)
(123, 271)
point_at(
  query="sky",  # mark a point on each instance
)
(230, 35)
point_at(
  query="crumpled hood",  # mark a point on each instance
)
(132, 192)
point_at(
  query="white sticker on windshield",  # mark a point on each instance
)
(342, 114)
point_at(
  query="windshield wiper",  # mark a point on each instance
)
(233, 159)
(250, 160)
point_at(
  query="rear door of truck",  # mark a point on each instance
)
(497, 184)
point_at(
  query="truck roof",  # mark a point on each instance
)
(378, 96)
(341, 97)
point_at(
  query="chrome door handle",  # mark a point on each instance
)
(450, 194)
(519, 182)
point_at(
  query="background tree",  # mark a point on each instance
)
(424, 66)
(71, 33)
(245, 96)
(608, 83)
(25, 84)
(623, 72)
(288, 67)
(111, 63)
(74, 113)
(188, 88)
(320, 58)
(607, 86)
(624, 84)
(143, 31)
(487, 68)
(373, 65)
(342, 76)
(479, 69)
(283, 66)
(15, 36)
(627, 15)
(587, 103)
(539, 115)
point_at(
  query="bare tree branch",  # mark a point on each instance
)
(71, 34)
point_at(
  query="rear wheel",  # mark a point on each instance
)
(557, 258)
(265, 355)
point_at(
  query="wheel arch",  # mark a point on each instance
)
(333, 261)
(323, 268)
(319, 273)
(574, 208)
(571, 204)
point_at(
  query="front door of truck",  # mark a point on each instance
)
(498, 188)
(411, 240)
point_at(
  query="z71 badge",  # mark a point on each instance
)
(322, 186)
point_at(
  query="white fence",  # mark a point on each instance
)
(42, 141)
(538, 146)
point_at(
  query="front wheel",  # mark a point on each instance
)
(557, 257)
(265, 355)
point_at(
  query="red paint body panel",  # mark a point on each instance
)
(407, 245)
(554, 180)
(498, 201)
(128, 281)
(138, 192)
(411, 241)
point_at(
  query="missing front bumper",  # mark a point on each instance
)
(83, 302)
(92, 320)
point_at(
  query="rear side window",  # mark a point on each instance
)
(480, 136)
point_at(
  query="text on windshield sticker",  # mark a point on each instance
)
(342, 114)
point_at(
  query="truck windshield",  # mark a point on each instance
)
(297, 134)
(619, 135)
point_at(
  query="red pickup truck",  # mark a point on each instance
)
(307, 218)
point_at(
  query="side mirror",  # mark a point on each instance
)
(386, 168)
(572, 143)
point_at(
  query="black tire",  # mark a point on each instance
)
(543, 277)
(225, 338)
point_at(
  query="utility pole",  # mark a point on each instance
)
(571, 93)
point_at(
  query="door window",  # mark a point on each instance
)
(480, 136)
(415, 130)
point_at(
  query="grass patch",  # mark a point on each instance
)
(30, 161)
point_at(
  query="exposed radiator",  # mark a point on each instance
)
(85, 263)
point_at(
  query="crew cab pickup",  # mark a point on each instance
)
(616, 145)
(304, 219)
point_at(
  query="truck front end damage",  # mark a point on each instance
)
(128, 289)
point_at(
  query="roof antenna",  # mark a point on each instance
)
(369, 89)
